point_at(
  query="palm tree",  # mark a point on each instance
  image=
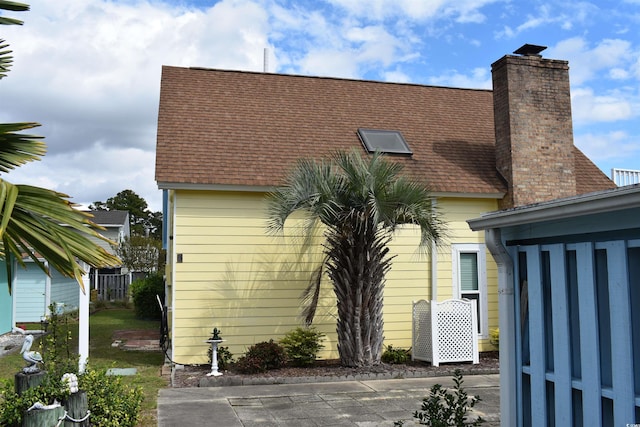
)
(360, 202)
(36, 222)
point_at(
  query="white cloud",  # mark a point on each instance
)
(635, 67)
(463, 11)
(480, 78)
(375, 44)
(618, 74)
(616, 148)
(566, 16)
(589, 108)
(95, 174)
(89, 71)
(342, 48)
(396, 76)
(586, 62)
(337, 63)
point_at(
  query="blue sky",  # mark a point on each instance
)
(89, 70)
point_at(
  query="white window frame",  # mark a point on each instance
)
(480, 250)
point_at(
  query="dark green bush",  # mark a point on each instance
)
(261, 357)
(143, 292)
(302, 345)
(395, 355)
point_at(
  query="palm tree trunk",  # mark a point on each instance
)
(357, 266)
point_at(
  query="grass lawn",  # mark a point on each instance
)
(103, 356)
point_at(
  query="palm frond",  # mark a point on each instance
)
(40, 223)
(311, 295)
(5, 59)
(14, 6)
(17, 149)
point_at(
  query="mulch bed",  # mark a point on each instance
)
(190, 375)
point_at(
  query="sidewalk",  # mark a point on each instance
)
(370, 403)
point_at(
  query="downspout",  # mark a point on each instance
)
(434, 262)
(507, 322)
(172, 243)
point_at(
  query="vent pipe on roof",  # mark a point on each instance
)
(266, 60)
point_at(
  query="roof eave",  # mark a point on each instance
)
(586, 204)
(215, 187)
(267, 188)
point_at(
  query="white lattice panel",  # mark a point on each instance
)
(445, 332)
(456, 333)
(421, 347)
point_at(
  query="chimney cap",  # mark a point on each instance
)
(530, 50)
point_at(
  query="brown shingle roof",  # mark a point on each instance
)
(241, 128)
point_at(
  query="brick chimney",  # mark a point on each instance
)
(534, 133)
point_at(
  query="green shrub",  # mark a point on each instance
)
(494, 337)
(302, 345)
(262, 357)
(111, 402)
(443, 408)
(225, 357)
(55, 347)
(395, 355)
(143, 292)
(14, 406)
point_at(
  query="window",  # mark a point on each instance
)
(385, 141)
(470, 279)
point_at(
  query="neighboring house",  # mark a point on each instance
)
(111, 283)
(116, 226)
(34, 291)
(569, 287)
(226, 138)
(625, 176)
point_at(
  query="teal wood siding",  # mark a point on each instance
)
(6, 302)
(577, 335)
(30, 293)
(65, 290)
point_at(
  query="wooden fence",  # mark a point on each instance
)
(113, 287)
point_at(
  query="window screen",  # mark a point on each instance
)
(468, 272)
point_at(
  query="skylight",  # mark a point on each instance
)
(385, 141)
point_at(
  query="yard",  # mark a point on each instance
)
(102, 326)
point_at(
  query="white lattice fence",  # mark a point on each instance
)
(421, 346)
(445, 332)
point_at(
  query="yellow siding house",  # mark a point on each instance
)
(226, 138)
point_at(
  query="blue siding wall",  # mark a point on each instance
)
(30, 293)
(65, 290)
(578, 335)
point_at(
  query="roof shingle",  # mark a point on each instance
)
(242, 128)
